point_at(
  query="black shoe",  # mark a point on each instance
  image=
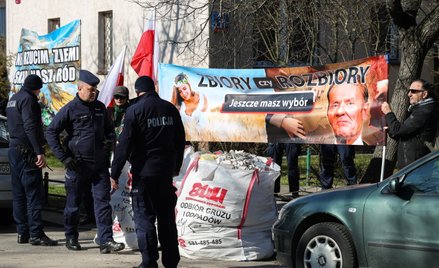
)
(22, 239)
(150, 266)
(111, 246)
(73, 244)
(43, 240)
(295, 195)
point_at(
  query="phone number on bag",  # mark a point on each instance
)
(205, 242)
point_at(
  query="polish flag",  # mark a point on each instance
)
(146, 57)
(114, 79)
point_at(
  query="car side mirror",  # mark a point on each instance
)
(394, 185)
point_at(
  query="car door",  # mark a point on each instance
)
(401, 230)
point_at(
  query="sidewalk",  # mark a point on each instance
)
(13, 255)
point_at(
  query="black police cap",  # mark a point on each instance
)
(33, 82)
(89, 78)
(144, 84)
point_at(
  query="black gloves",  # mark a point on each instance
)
(71, 164)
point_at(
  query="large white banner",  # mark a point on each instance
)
(330, 104)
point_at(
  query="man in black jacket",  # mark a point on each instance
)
(153, 140)
(26, 156)
(420, 125)
(88, 128)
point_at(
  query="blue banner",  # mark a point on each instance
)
(55, 57)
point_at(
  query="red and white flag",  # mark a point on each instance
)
(145, 58)
(114, 79)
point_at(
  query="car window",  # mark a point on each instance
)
(425, 178)
(4, 134)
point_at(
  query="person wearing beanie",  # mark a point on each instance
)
(26, 158)
(144, 84)
(89, 129)
(153, 140)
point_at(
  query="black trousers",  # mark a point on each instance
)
(155, 198)
(292, 150)
(28, 195)
(76, 183)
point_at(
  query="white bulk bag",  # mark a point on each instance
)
(124, 229)
(224, 213)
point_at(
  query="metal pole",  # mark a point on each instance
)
(383, 163)
(383, 160)
(46, 187)
(308, 164)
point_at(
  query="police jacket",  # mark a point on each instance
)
(88, 129)
(418, 128)
(152, 138)
(24, 121)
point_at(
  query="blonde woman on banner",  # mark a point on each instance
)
(191, 104)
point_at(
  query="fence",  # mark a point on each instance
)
(46, 181)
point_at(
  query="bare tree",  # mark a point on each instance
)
(303, 32)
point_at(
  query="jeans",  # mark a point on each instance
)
(328, 158)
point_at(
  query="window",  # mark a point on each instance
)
(3, 21)
(424, 179)
(53, 24)
(393, 43)
(105, 52)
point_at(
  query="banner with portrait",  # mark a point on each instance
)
(55, 57)
(330, 104)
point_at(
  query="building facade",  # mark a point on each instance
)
(106, 27)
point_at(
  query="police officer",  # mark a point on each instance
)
(26, 157)
(88, 128)
(153, 140)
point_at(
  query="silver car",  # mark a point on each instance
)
(5, 175)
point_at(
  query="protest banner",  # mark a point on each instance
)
(281, 104)
(55, 57)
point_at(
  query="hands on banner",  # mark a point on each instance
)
(417, 133)
(292, 103)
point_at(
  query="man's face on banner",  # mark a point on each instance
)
(347, 109)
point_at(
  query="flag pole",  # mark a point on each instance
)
(383, 160)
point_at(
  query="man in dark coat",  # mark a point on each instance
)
(26, 156)
(420, 126)
(88, 128)
(153, 140)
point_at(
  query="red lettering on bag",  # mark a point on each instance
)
(216, 194)
(182, 243)
(116, 226)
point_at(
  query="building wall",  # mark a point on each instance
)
(128, 23)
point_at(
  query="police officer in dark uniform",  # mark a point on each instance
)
(26, 158)
(88, 128)
(153, 140)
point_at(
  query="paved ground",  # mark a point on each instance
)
(13, 255)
